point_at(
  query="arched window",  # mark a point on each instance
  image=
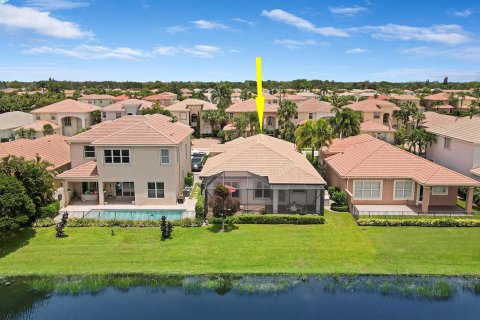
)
(194, 117)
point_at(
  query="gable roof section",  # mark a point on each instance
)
(265, 156)
(371, 105)
(37, 125)
(67, 105)
(14, 119)
(136, 130)
(438, 120)
(373, 126)
(365, 157)
(184, 104)
(442, 96)
(87, 170)
(466, 130)
(53, 149)
(120, 106)
(97, 97)
(314, 105)
(249, 105)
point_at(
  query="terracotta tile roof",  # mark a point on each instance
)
(53, 149)
(265, 156)
(184, 104)
(371, 105)
(157, 97)
(290, 97)
(136, 130)
(97, 97)
(230, 127)
(314, 105)
(466, 130)
(438, 120)
(249, 105)
(443, 107)
(365, 157)
(37, 125)
(373, 126)
(168, 93)
(119, 106)
(67, 105)
(121, 97)
(442, 96)
(14, 119)
(402, 97)
(87, 170)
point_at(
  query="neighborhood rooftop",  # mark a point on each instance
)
(67, 106)
(364, 156)
(182, 105)
(120, 106)
(136, 130)
(467, 130)
(265, 156)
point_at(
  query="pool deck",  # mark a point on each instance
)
(79, 208)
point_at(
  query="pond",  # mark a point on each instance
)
(246, 297)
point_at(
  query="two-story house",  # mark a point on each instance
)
(72, 116)
(164, 99)
(191, 111)
(99, 100)
(313, 109)
(123, 108)
(457, 146)
(137, 159)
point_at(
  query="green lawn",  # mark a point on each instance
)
(339, 246)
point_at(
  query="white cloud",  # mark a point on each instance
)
(302, 24)
(297, 44)
(356, 50)
(175, 29)
(165, 51)
(347, 11)
(421, 74)
(442, 33)
(249, 23)
(209, 25)
(88, 52)
(468, 53)
(14, 17)
(202, 51)
(462, 13)
(50, 5)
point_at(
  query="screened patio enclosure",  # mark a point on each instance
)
(256, 194)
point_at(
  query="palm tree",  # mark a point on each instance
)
(346, 122)
(222, 95)
(418, 117)
(323, 133)
(419, 139)
(305, 136)
(216, 118)
(473, 109)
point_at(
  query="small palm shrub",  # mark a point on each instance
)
(166, 228)
(59, 228)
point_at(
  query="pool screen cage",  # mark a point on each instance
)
(256, 195)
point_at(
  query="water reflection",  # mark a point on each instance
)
(239, 297)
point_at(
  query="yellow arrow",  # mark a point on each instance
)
(260, 100)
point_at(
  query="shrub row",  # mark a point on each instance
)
(74, 222)
(447, 222)
(339, 208)
(270, 219)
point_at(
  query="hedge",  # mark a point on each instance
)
(199, 207)
(447, 222)
(270, 219)
(74, 222)
(338, 208)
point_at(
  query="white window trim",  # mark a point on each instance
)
(412, 196)
(183, 116)
(381, 189)
(169, 157)
(85, 152)
(121, 163)
(156, 190)
(440, 193)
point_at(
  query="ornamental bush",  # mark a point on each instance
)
(270, 219)
(79, 223)
(189, 181)
(332, 189)
(199, 207)
(339, 198)
(339, 208)
(444, 222)
(49, 211)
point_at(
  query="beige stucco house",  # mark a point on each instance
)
(265, 174)
(38, 126)
(123, 108)
(313, 109)
(137, 159)
(164, 99)
(11, 121)
(99, 100)
(379, 177)
(191, 111)
(72, 116)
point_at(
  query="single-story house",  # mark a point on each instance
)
(11, 121)
(264, 173)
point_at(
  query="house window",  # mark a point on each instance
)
(194, 117)
(52, 117)
(439, 191)
(262, 191)
(156, 190)
(403, 190)
(367, 189)
(310, 116)
(89, 187)
(37, 117)
(231, 115)
(104, 115)
(116, 156)
(183, 116)
(236, 185)
(125, 189)
(67, 121)
(89, 152)
(269, 121)
(118, 115)
(446, 143)
(376, 115)
(164, 156)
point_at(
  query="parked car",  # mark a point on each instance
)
(199, 154)
(197, 163)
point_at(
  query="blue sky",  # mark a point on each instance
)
(218, 40)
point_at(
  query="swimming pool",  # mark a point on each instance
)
(145, 214)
